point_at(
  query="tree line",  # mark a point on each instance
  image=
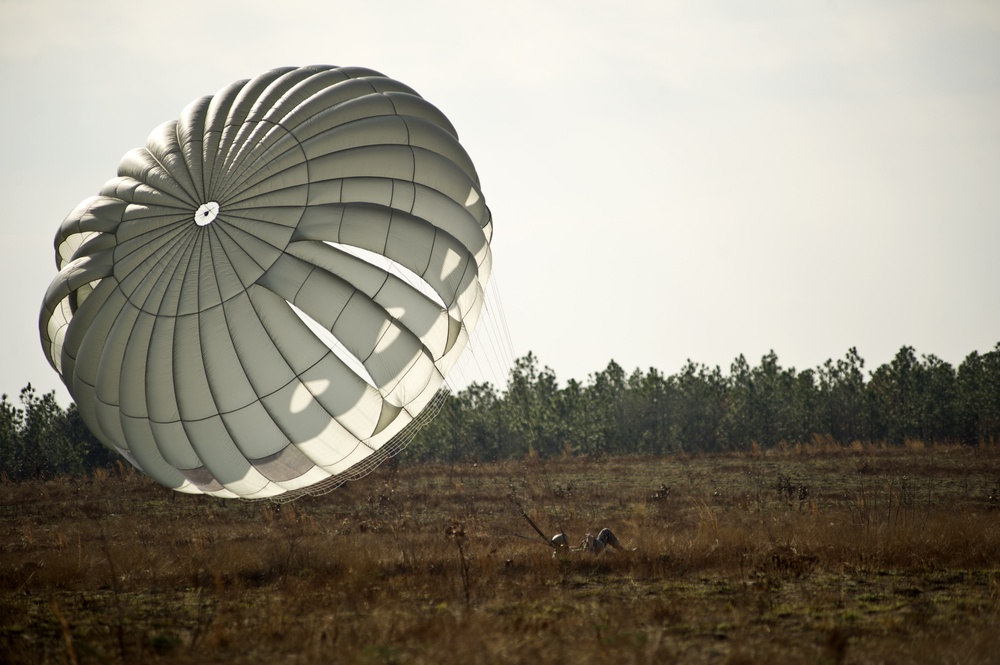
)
(698, 409)
(701, 409)
(40, 439)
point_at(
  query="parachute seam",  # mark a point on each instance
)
(213, 233)
(469, 260)
(385, 249)
(251, 164)
(195, 127)
(196, 242)
(164, 174)
(297, 375)
(430, 256)
(243, 367)
(232, 197)
(180, 153)
(371, 299)
(168, 229)
(103, 346)
(254, 167)
(312, 268)
(224, 229)
(169, 255)
(200, 242)
(354, 291)
(217, 232)
(67, 350)
(237, 115)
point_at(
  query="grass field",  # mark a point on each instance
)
(810, 554)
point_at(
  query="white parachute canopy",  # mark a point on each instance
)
(271, 293)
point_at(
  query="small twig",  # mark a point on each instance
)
(537, 530)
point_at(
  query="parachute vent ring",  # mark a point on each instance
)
(206, 214)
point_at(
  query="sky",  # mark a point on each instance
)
(669, 180)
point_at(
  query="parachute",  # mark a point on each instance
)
(268, 297)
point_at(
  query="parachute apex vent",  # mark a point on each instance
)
(206, 214)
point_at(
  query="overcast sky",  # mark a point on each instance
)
(668, 180)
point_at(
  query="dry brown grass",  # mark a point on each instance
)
(811, 553)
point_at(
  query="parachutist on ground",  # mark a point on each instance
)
(593, 544)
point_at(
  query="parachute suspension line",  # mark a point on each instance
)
(487, 347)
(489, 355)
(500, 354)
(462, 375)
(502, 331)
